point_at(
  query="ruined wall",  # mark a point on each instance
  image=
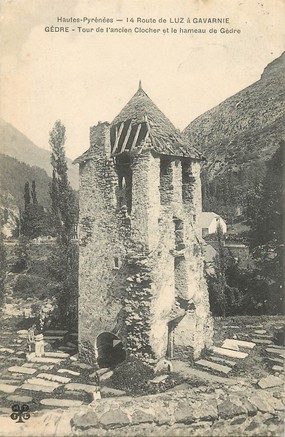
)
(140, 268)
(178, 285)
(100, 280)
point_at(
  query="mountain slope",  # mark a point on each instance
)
(238, 136)
(15, 144)
(246, 126)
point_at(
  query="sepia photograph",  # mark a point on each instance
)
(142, 218)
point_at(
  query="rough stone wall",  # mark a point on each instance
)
(178, 275)
(100, 281)
(146, 200)
(124, 258)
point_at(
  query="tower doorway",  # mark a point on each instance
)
(110, 351)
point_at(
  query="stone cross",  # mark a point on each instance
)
(39, 345)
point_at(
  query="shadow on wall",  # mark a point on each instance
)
(110, 351)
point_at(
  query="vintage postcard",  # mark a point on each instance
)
(141, 208)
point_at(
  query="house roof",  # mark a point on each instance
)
(206, 218)
(165, 138)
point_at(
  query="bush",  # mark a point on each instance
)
(31, 286)
(132, 376)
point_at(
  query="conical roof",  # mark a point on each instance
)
(165, 138)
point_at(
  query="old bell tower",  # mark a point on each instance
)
(141, 287)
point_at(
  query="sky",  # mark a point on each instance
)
(82, 78)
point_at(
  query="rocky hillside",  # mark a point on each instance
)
(238, 136)
(15, 144)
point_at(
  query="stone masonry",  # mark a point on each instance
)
(141, 284)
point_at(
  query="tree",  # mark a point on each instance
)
(62, 195)
(34, 193)
(266, 219)
(27, 196)
(64, 260)
(225, 296)
(219, 283)
(3, 269)
(33, 219)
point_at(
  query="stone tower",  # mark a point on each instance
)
(141, 287)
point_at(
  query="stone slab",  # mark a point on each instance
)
(42, 381)
(274, 351)
(260, 331)
(22, 369)
(262, 341)
(38, 388)
(230, 344)
(34, 365)
(70, 372)
(158, 379)
(7, 350)
(245, 344)
(276, 360)
(66, 348)
(46, 367)
(32, 358)
(55, 378)
(275, 346)
(23, 332)
(278, 368)
(8, 388)
(106, 375)
(53, 402)
(83, 366)
(270, 381)
(214, 366)
(72, 345)
(74, 386)
(103, 370)
(74, 357)
(109, 391)
(229, 353)
(60, 332)
(9, 381)
(20, 398)
(56, 355)
(223, 361)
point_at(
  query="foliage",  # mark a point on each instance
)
(32, 286)
(63, 268)
(266, 219)
(34, 219)
(64, 259)
(226, 192)
(221, 294)
(22, 255)
(43, 314)
(62, 195)
(3, 269)
(14, 175)
(132, 375)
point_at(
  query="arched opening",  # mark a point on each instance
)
(110, 351)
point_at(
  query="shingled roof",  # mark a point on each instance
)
(164, 137)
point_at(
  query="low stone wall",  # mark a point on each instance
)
(174, 408)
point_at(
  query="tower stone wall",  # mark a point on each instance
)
(141, 266)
